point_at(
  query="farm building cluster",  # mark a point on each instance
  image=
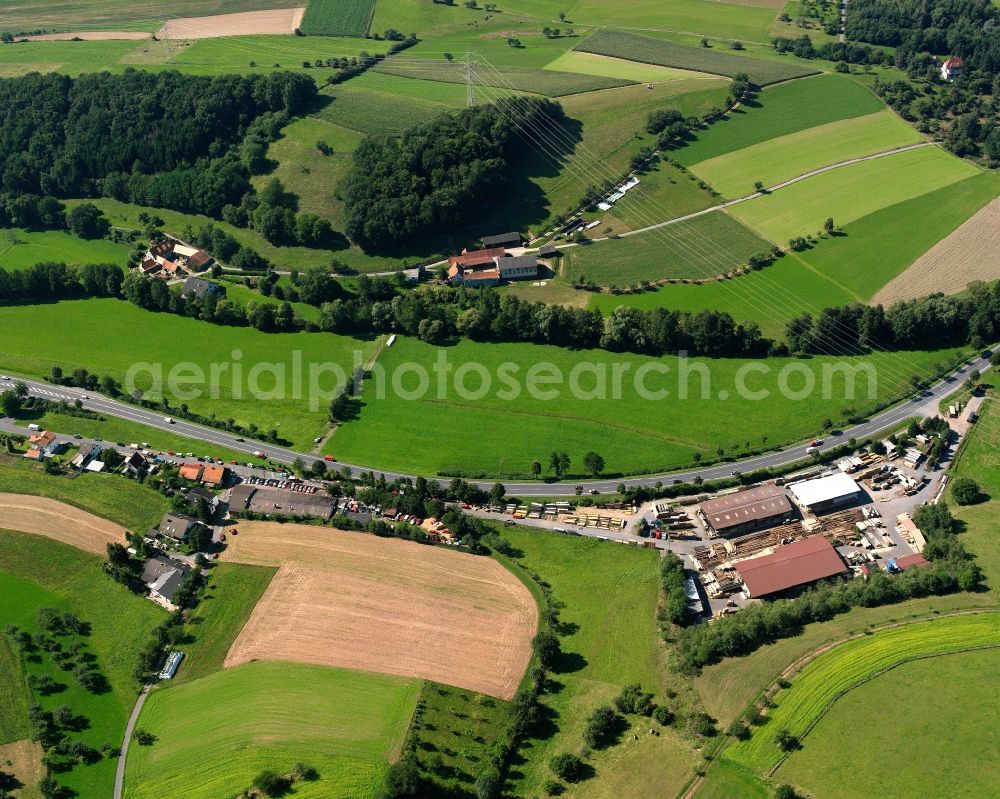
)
(775, 539)
(493, 264)
(170, 259)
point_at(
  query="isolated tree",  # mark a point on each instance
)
(10, 404)
(536, 468)
(563, 463)
(270, 783)
(966, 491)
(828, 225)
(87, 221)
(567, 766)
(602, 727)
(593, 463)
(785, 741)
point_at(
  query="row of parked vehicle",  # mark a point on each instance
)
(289, 485)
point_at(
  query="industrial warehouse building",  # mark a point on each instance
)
(746, 511)
(825, 493)
(790, 567)
(279, 502)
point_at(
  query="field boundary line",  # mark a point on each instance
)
(869, 678)
(770, 190)
(796, 666)
(129, 729)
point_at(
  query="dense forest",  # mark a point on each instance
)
(966, 28)
(167, 140)
(437, 175)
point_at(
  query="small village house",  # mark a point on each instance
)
(952, 67)
(177, 525)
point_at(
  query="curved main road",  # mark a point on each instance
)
(923, 404)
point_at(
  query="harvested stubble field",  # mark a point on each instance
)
(395, 607)
(243, 23)
(971, 253)
(58, 521)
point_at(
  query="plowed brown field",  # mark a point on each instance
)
(970, 253)
(59, 521)
(356, 601)
(244, 23)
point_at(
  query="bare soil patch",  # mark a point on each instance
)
(244, 23)
(970, 253)
(57, 520)
(25, 759)
(356, 601)
(88, 36)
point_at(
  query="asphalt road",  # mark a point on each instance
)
(921, 405)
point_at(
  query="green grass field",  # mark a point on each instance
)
(36, 341)
(826, 678)
(594, 64)
(230, 596)
(780, 111)
(20, 249)
(603, 130)
(726, 780)
(15, 698)
(769, 297)
(677, 251)
(88, 15)
(110, 496)
(851, 192)
(610, 592)
(36, 572)
(842, 269)
(649, 435)
(979, 461)
(216, 733)
(880, 246)
(716, 60)
(524, 79)
(369, 111)
(959, 693)
(337, 17)
(449, 714)
(433, 20)
(665, 191)
(748, 22)
(217, 56)
(776, 160)
(305, 171)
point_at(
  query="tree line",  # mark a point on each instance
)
(443, 314)
(972, 319)
(439, 175)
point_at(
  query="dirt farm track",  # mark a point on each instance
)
(357, 601)
(57, 520)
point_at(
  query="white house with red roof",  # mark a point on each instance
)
(952, 67)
